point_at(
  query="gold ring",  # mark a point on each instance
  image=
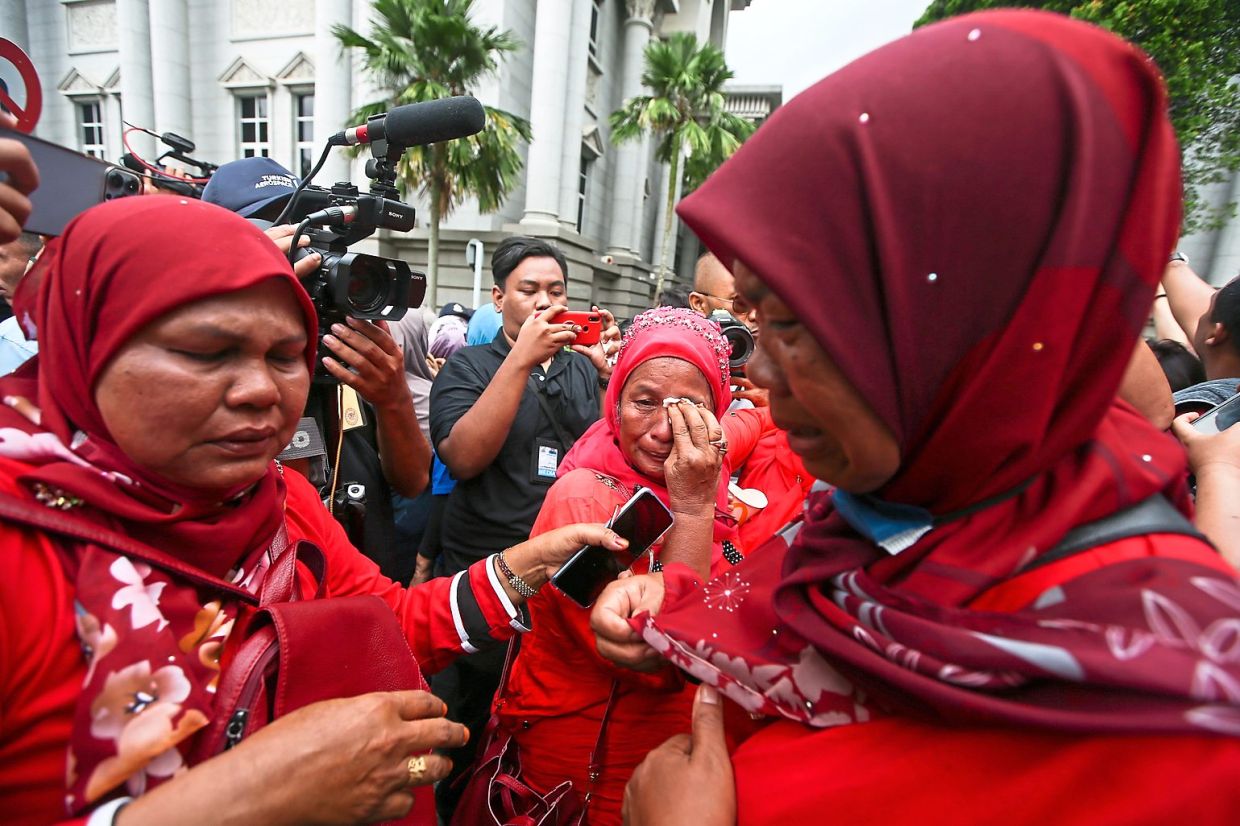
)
(417, 768)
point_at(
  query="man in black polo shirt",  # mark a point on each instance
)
(503, 442)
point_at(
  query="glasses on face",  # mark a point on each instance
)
(728, 301)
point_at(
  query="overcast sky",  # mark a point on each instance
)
(796, 42)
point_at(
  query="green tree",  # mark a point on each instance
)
(1196, 44)
(424, 50)
(685, 111)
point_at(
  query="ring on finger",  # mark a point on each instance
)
(417, 769)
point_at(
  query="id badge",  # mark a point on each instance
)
(546, 461)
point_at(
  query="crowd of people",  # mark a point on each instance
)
(948, 546)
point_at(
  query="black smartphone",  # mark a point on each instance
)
(641, 520)
(1217, 419)
(69, 183)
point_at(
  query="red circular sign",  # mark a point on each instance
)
(28, 115)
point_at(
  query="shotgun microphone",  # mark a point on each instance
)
(416, 124)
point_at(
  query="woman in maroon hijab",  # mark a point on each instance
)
(951, 245)
(176, 352)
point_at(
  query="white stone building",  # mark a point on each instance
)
(245, 77)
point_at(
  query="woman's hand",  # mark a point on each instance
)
(613, 636)
(536, 559)
(693, 467)
(339, 761)
(688, 779)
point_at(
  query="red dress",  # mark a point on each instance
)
(558, 687)
(42, 666)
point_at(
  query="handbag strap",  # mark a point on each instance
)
(58, 522)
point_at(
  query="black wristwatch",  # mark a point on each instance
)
(1178, 256)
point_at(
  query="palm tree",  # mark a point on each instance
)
(429, 49)
(685, 110)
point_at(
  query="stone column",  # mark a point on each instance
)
(333, 86)
(574, 111)
(13, 24)
(626, 204)
(133, 30)
(169, 41)
(550, 89)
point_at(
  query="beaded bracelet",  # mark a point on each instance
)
(518, 584)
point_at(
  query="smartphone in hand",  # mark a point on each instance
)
(641, 520)
(1218, 419)
(590, 322)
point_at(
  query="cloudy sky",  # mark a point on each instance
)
(796, 42)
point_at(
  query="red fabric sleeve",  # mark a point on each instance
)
(426, 612)
(41, 671)
(743, 429)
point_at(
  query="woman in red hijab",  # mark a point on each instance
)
(177, 348)
(952, 245)
(556, 694)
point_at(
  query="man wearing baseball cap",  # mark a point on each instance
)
(251, 187)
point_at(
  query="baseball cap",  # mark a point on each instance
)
(248, 185)
(455, 308)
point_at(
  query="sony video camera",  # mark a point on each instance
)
(358, 284)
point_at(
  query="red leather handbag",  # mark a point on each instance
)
(497, 796)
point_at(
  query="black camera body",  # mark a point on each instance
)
(353, 283)
(740, 340)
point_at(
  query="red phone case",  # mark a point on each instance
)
(590, 322)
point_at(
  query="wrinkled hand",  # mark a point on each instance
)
(347, 761)
(1208, 451)
(693, 467)
(541, 337)
(283, 238)
(608, 345)
(434, 365)
(757, 396)
(613, 636)
(689, 778)
(20, 178)
(378, 373)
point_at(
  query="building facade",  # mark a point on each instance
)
(266, 77)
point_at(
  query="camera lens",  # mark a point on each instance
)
(367, 285)
(736, 334)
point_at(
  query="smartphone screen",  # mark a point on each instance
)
(642, 520)
(69, 183)
(1219, 418)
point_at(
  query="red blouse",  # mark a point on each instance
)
(42, 667)
(558, 686)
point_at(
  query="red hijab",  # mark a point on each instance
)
(665, 332)
(146, 633)
(970, 222)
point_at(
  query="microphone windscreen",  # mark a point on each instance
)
(415, 124)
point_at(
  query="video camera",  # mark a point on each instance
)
(354, 284)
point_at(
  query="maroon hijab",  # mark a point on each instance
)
(151, 640)
(970, 222)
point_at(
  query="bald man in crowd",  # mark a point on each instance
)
(714, 288)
